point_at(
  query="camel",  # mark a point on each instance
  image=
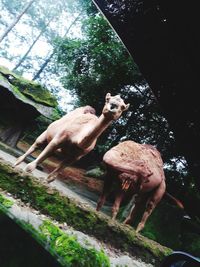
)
(74, 135)
(138, 168)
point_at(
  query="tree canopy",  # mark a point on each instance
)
(97, 63)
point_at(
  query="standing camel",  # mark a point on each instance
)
(138, 168)
(74, 135)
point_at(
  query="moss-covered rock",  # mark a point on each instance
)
(63, 246)
(5, 202)
(63, 209)
(30, 93)
(68, 248)
(28, 88)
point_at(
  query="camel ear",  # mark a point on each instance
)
(127, 106)
(108, 96)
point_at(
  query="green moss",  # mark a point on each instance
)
(61, 208)
(70, 250)
(7, 203)
(27, 88)
(64, 247)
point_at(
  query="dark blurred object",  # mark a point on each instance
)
(19, 249)
(163, 39)
(180, 259)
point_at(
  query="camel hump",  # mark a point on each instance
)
(132, 155)
(89, 109)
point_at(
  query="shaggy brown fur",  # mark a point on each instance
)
(139, 168)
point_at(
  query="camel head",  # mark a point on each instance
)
(114, 106)
(134, 181)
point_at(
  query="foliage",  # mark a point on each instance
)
(46, 19)
(90, 66)
(13, 6)
(164, 225)
(7, 203)
(97, 64)
(191, 243)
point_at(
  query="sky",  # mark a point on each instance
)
(41, 49)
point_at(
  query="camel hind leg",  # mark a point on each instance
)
(52, 176)
(152, 202)
(41, 140)
(106, 190)
(139, 199)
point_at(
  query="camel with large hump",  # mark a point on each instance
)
(74, 135)
(138, 168)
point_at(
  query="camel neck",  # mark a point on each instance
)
(95, 131)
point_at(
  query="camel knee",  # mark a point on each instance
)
(128, 220)
(38, 143)
(150, 206)
(100, 202)
(114, 213)
(115, 210)
(54, 142)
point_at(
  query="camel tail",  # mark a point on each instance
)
(178, 202)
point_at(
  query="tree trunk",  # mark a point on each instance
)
(11, 135)
(30, 48)
(48, 59)
(15, 21)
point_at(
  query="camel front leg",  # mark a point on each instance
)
(37, 144)
(151, 204)
(53, 145)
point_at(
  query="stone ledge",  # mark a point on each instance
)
(63, 209)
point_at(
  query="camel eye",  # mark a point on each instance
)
(113, 106)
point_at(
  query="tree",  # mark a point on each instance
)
(10, 27)
(49, 57)
(98, 63)
(92, 58)
(31, 46)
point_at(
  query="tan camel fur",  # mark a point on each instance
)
(139, 169)
(74, 135)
